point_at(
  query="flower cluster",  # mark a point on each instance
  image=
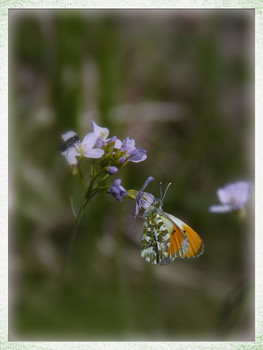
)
(111, 154)
(96, 144)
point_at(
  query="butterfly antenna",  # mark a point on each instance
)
(169, 184)
(161, 192)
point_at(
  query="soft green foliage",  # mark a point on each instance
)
(181, 84)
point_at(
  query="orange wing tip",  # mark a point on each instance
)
(196, 245)
(200, 252)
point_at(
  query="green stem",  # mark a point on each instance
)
(82, 178)
(91, 185)
(72, 207)
(74, 234)
(92, 168)
(96, 190)
(104, 178)
(91, 191)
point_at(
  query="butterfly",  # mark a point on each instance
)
(165, 237)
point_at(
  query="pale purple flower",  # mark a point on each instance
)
(112, 170)
(117, 190)
(232, 196)
(73, 149)
(117, 142)
(102, 134)
(133, 154)
(144, 199)
(122, 160)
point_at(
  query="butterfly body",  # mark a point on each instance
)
(165, 237)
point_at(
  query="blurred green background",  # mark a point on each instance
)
(181, 83)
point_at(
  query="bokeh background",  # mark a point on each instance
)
(181, 83)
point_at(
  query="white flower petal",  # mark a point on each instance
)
(242, 192)
(70, 154)
(100, 132)
(94, 153)
(223, 208)
(89, 141)
(118, 144)
(224, 195)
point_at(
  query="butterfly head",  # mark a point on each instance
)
(147, 201)
(157, 204)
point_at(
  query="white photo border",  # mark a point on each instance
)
(129, 4)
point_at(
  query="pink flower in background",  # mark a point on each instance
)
(232, 196)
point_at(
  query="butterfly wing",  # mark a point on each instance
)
(155, 240)
(195, 243)
(178, 245)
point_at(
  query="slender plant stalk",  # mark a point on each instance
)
(91, 191)
(74, 233)
(82, 179)
(72, 207)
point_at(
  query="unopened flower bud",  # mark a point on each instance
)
(112, 170)
(122, 160)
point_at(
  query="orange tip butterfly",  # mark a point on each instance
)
(165, 237)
